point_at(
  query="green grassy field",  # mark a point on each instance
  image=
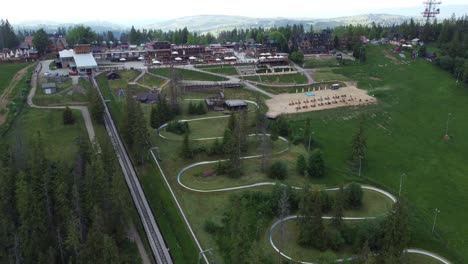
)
(222, 69)
(327, 74)
(64, 95)
(298, 89)
(405, 135)
(7, 72)
(188, 74)
(151, 81)
(294, 78)
(49, 124)
(315, 63)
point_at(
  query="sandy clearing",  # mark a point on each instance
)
(323, 99)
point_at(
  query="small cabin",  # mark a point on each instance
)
(113, 76)
(49, 88)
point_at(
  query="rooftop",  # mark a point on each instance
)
(235, 102)
(85, 60)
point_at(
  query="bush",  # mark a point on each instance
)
(197, 109)
(334, 239)
(210, 227)
(354, 196)
(316, 166)
(301, 165)
(297, 139)
(221, 168)
(178, 127)
(68, 118)
(279, 170)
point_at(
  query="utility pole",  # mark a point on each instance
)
(447, 126)
(437, 211)
(360, 165)
(401, 182)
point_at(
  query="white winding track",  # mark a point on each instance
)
(366, 187)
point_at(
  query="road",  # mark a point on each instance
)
(156, 241)
(41, 67)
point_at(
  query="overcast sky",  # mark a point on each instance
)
(123, 11)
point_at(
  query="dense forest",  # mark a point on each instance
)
(56, 213)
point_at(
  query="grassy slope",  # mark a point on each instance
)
(188, 74)
(7, 71)
(151, 81)
(294, 78)
(405, 135)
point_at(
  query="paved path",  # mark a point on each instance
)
(310, 80)
(83, 109)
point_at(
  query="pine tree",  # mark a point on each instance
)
(68, 118)
(97, 107)
(154, 118)
(274, 133)
(338, 208)
(232, 123)
(317, 228)
(243, 131)
(305, 216)
(358, 147)
(185, 149)
(396, 234)
(301, 165)
(354, 195)
(316, 164)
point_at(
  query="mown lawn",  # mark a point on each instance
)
(151, 81)
(223, 69)
(405, 135)
(188, 74)
(8, 71)
(293, 78)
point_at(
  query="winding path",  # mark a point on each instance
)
(183, 170)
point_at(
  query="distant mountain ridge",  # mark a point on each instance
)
(217, 23)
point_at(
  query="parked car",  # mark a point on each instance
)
(73, 73)
(46, 73)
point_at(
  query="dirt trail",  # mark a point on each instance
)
(4, 97)
(133, 235)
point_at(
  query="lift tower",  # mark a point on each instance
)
(431, 9)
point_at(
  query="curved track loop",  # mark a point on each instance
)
(366, 187)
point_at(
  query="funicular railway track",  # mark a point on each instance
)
(156, 241)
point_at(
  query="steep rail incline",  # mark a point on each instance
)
(156, 241)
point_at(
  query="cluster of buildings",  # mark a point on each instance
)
(79, 59)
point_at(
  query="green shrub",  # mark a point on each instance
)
(178, 127)
(354, 196)
(279, 170)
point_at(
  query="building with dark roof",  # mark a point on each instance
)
(148, 98)
(235, 104)
(312, 43)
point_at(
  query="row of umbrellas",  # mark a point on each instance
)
(17, 54)
(270, 57)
